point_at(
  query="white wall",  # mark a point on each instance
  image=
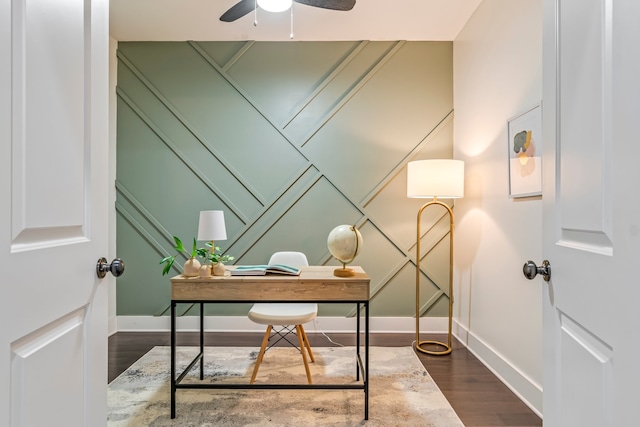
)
(497, 75)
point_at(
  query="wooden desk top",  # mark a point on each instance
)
(315, 283)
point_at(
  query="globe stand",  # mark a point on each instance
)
(343, 272)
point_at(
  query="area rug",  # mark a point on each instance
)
(401, 392)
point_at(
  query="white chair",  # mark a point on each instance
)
(285, 315)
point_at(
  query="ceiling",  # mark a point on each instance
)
(179, 20)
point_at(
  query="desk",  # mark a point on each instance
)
(314, 284)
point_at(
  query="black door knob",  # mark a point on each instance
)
(530, 270)
(116, 267)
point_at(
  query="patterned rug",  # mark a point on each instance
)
(401, 392)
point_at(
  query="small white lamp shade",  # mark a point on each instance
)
(275, 5)
(211, 226)
(442, 178)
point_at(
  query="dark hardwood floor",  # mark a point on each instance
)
(477, 396)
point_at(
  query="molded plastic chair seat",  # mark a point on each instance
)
(285, 314)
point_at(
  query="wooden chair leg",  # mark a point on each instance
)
(306, 342)
(300, 333)
(263, 348)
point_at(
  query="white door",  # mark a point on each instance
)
(53, 214)
(591, 199)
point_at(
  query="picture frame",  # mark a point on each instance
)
(524, 134)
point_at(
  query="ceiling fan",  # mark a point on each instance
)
(243, 7)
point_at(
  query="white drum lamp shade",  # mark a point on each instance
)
(441, 178)
(211, 226)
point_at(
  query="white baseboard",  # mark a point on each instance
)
(243, 324)
(112, 325)
(529, 391)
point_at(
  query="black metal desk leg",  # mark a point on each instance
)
(202, 340)
(173, 359)
(366, 362)
(357, 341)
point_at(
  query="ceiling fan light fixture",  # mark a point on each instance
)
(275, 5)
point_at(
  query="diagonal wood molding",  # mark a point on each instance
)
(284, 175)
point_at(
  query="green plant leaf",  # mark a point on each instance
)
(204, 254)
(167, 267)
(179, 246)
(194, 250)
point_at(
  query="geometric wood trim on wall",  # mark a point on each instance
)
(290, 139)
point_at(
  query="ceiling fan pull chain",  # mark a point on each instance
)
(255, 13)
(291, 34)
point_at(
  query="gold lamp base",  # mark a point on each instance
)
(343, 272)
(441, 348)
(446, 348)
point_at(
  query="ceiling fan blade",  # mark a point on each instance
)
(238, 10)
(343, 5)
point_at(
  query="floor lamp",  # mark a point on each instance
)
(438, 178)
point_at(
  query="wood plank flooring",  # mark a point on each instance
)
(477, 396)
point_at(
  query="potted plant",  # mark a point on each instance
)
(191, 266)
(213, 255)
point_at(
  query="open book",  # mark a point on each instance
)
(261, 270)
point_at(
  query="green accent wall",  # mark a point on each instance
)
(290, 139)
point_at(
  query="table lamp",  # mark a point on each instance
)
(436, 178)
(211, 227)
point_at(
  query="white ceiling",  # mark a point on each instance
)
(178, 20)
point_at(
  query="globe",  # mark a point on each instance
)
(344, 243)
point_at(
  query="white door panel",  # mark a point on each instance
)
(584, 380)
(54, 133)
(584, 136)
(579, 314)
(32, 371)
(589, 157)
(48, 118)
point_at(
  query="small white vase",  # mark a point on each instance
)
(191, 268)
(205, 270)
(218, 269)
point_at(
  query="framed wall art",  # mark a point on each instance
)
(525, 153)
